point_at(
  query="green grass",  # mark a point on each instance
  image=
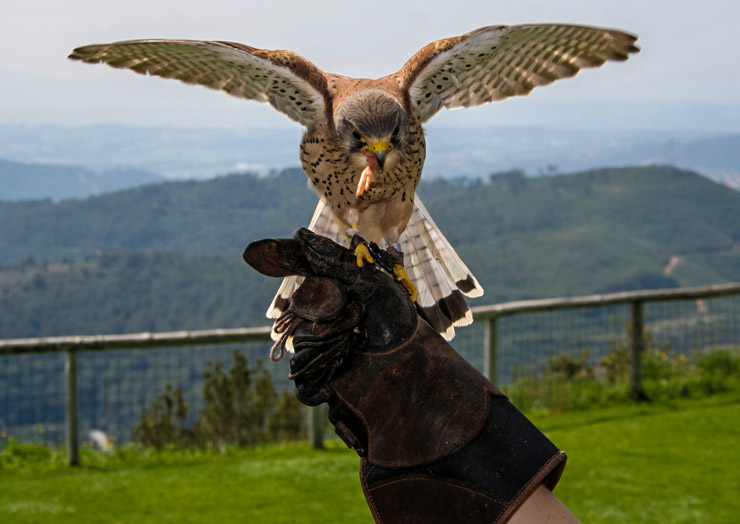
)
(277, 484)
(668, 463)
(649, 463)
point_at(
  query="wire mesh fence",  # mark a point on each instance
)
(530, 344)
(113, 387)
(569, 358)
(32, 397)
(539, 357)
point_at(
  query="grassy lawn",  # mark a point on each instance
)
(652, 463)
(669, 463)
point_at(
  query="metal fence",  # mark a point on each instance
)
(56, 389)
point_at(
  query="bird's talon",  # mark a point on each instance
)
(404, 279)
(362, 255)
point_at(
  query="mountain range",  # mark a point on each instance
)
(168, 255)
(22, 181)
(473, 152)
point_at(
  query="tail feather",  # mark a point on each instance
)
(322, 223)
(450, 263)
(440, 276)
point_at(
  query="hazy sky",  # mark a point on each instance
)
(690, 56)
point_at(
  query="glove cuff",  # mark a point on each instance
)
(485, 481)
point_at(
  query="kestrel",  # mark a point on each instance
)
(363, 149)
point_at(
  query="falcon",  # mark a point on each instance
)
(363, 149)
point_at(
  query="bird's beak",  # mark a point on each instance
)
(380, 155)
(379, 149)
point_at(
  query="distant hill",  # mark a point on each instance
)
(19, 181)
(130, 292)
(171, 151)
(218, 216)
(597, 231)
(473, 150)
(168, 256)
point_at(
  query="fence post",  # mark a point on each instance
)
(316, 427)
(638, 348)
(70, 379)
(490, 348)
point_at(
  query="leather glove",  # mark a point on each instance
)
(438, 442)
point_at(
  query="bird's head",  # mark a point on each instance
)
(373, 127)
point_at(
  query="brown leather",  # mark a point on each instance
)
(319, 300)
(439, 444)
(433, 500)
(419, 389)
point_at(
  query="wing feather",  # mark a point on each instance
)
(287, 81)
(493, 63)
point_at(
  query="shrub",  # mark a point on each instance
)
(164, 423)
(569, 366)
(241, 408)
(720, 363)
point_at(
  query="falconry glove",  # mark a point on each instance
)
(438, 442)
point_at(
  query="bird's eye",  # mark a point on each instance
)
(357, 136)
(395, 133)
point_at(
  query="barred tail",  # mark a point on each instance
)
(439, 274)
(322, 223)
(431, 263)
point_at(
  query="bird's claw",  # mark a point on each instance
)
(403, 278)
(362, 255)
(390, 261)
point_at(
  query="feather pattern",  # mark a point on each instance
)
(322, 223)
(440, 276)
(485, 65)
(496, 62)
(287, 81)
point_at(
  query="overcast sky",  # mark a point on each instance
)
(690, 56)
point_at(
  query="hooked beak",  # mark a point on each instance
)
(380, 155)
(380, 149)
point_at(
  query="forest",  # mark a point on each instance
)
(168, 256)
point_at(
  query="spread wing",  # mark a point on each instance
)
(287, 81)
(493, 63)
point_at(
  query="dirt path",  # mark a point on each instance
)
(671, 265)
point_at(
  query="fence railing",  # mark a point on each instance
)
(489, 316)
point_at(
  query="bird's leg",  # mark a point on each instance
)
(400, 272)
(362, 253)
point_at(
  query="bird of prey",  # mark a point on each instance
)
(363, 149)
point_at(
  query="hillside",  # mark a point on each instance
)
(130, 292)
(460, 146)
(596, 231)
(218, 216)
(97, 265)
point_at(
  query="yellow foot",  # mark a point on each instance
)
(366, 178)
(363, 255)
(404, 279)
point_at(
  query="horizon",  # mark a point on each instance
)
(680, 80)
